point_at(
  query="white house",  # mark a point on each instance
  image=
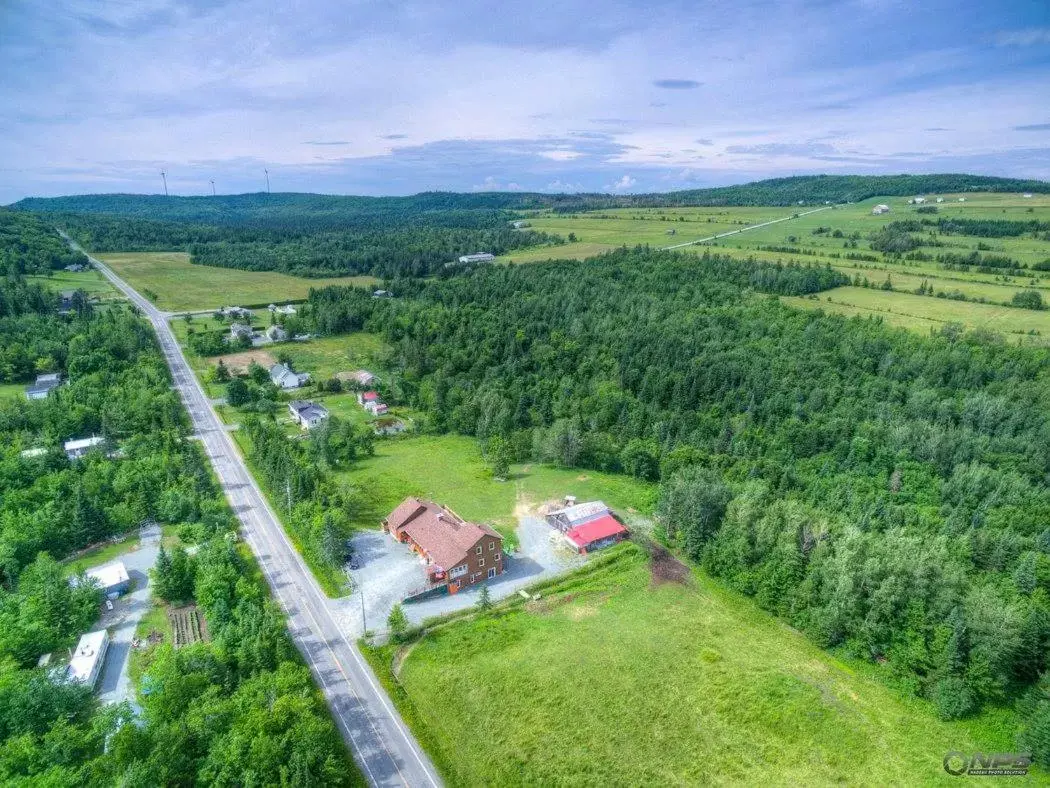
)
(940, 199)
(44, 385)
(880, 209)
(75, 449)
(276, 333)
(287, 309)
(577, 514)
(307, 414)
(962, 199)
(376, 408)
(480, 257)
(90, 654)
(1027, 195)
(362, 377)
(238, 330)
(234, 311)
(284, 378)
(112, 578)
(382, 294)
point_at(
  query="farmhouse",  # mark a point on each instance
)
(456, 551)
(112, 578)
(283, 377)
(75, 449)
(376, 408)
(1027, 195)
(66, 299)
(86, 664)
(44, 385)
(880, 209)
(233, 311)
(307, 414)
(382, 294)
(276, 333)
(287, 309)
(362, 377)
(577, 514)
(364, 397)
(519, 224)
(480, 257)
(76, 268)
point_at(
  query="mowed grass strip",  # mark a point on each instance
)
(180, 285)
(614, 679)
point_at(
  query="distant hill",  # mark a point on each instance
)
(267, 209)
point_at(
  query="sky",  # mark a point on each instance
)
(386, 97)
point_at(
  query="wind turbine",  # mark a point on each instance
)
(213, 188)
(267, 180)
(164, 177)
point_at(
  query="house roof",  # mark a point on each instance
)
(602, 528)
(109, 575)
(444, 535)
(310, 411)
(582, 512)
(83, 443)
(90, 649)
(370, 396)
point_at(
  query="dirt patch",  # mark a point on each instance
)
(238, 363)
(545, 605)
(665, 568)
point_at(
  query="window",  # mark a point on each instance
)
(492, 573)
(479, 550)
(497, 556)
(481, 562)
(458, 571)
(492, 545)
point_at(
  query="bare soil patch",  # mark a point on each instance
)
(665, 568)
(187, 626)
(239, 362)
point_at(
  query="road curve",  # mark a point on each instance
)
(382, 745)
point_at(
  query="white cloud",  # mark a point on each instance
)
(1023, 38)
(625, 183)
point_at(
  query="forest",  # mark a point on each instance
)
(886, 493)
(239, 709)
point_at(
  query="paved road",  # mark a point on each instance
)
(381, 744)
(745, 229)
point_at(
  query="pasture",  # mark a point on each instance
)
(179, 285)
(841, 237)
(631, 674)
(91, 282)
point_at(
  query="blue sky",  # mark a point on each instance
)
(395, 98)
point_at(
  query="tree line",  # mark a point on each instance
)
(884, 492)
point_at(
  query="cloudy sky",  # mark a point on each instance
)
(399, 97)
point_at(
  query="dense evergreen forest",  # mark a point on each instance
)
(884, 492)
(323, 235)
(241, 709)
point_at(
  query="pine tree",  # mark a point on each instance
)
(398, 623)
(484, 598)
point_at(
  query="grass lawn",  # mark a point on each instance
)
(13, 390)
(110, 551)
(180, 285)
(449, 469)
(613, 679)
(91, 282)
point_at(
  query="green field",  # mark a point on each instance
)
(795, 241)
(91, 282)
(13, 391)
(180, 285)
(616, 678)
(1025, 325)
(449, 469)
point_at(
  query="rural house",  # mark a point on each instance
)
(577, 514)
(112, 578)
(234, 311)
(283, 377)
(307, 414)
(276, 333)
(880, 209)
(596, 534)
(480, 257)
(75, 449)
(364, 397)
(362, 377)
(382, 294)
(456, 551)
(376, 408)
(238, 330)
(44, 385)
(287, 309)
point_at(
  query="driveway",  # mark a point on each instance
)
(389, 571)
(114, 685)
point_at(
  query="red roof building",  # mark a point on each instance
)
(369, 396)
(595, 534)
(463, 552)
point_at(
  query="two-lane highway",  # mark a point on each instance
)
(382, 745)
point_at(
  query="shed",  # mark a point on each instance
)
(596, 534)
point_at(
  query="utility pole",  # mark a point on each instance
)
(288, 492)
(213, 188)
(267, 180)
(364, 624)
(164, 177)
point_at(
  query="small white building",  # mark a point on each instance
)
(75, 449)
(962, 199)
(307, 414)
(238, 330)
(480, 257)
(276, 333)
(88, 658)
(361, 376)
(917, 200)
(112, 578)
(284, 378)
(577, 514)
(44, 385)
(1027, 195)
(880, 209)
(940, 199)
(234, 311)
(287, 309)
(382, 294)
(376, 408)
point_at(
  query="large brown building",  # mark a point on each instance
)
(455, 550)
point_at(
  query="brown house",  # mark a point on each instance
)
(456, 551)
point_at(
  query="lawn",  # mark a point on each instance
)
(449, 469)
(91, 282)
(180, 285)
(13, 390)
(614, 678)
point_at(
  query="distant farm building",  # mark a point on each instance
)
(276, 333)
(480, 257)
(238, 330)
(112, 578)
(596, 534)
(361, 377)
(307, 414)
(916, 200)
(880, 209)
(284, 378)
(287, 309)
(520, 224)
(75, 449)
(90, 654)
(364, 397)
(456, 552)
(28, 454)
(382, 294)
(76, 268)
(576, 514)
(44, 385)
(940, 199)
(1027, 195)
(233, 311)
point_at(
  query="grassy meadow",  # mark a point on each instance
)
(616, 676)
(91, 282)
(179, 285)
(988, 295)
